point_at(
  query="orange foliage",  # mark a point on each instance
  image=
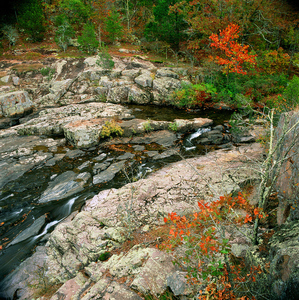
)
(201, 234)
(235, 54)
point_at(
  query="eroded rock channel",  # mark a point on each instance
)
(58, 158)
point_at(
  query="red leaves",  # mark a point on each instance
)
(235, 54)
(200, 235)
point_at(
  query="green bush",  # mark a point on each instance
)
(11, 33)
(291, 93)
(88, 40)
(64, 32)
(49, 72)
(255, 86)
(32, 20)
(110, 129)
(193, 95)
(113, 26)
(76, 11)
(105, 60)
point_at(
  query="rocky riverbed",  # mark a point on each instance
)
(59, 170)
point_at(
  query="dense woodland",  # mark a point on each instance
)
(247, 50)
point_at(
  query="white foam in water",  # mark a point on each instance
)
(143, 171)
(7, 197)
(68, 205)
(194, 135)
(198, 133)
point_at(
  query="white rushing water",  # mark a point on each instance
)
(189, 146)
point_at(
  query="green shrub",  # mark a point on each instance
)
(64, 32)
(11, 33)
(49, 72)
(88, 40)
(147, 126)
(173, 126)
(111, 128)
(291, 93)
(113, 25)
(32, 20)
(76, 11)
(193, 95)
(105, 60)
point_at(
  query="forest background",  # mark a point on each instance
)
(179, 30)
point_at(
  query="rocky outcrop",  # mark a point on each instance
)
(15, 104)
(288, 180)
(82, 243)
(77, 81)
(284, 257)
(64, 185)
(104, 223)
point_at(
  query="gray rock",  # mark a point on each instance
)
(284, 258)
(118, 94)
(163, 137)
(57, 121)
(73, 288)
(131, 73)
(23, 280)
(99, 167)
(5, 79)
(126, 156)
(64, 185)
(177, 282)
(162, 89)
(84, 134)
(153, 276)
(138, 96)
(15, 80)
(54, 160)
(15, 104)
(84, 165)
(121, 292)
(109, 173)
(145, 80)
(30, 231)
(16, 161)
(166, 72)
(97, 290)
(100, 157)
(74, 153)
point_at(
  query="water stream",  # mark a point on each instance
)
(26, 222)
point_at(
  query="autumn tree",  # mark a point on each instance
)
(263, 23)
(234, 55)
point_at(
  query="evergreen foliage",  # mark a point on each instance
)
(32, 20)
(113, 25)
(167, 26)
(105, 59)
(76, 10)
(11, 33)
(64, 32)
(88, 40)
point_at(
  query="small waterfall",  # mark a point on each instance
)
(66, 209)
(188, 142)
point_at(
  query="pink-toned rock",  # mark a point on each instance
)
(288, 180)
